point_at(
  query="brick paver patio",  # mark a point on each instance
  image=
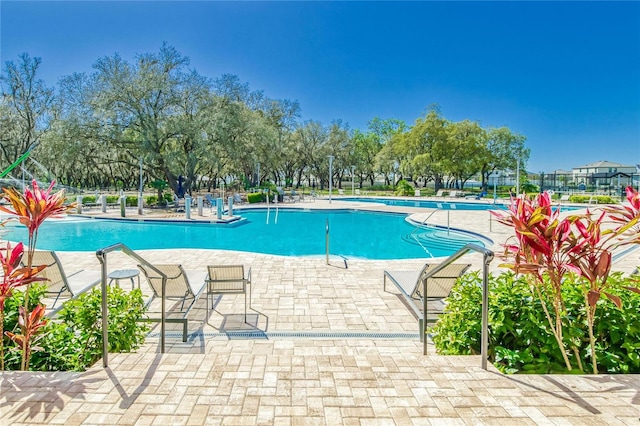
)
(333, 348)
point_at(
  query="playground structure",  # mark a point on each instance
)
(8, 179)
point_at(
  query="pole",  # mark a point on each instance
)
(326, 239)
(141, 176)
(518, 176)
(353, 172)
(495, 193)
(330, 176)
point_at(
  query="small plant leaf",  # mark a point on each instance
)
(615, 299)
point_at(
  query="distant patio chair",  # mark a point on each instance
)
(440, 193)
(237, 199)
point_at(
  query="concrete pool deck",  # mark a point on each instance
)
(335, 349)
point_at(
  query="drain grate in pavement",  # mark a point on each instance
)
(294, 335)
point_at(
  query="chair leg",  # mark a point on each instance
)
(245, 307)
(206, 312)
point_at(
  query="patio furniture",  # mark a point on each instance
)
(59, 283)
(229, 279)
(123, 274)
(410, 284)
(180, 286)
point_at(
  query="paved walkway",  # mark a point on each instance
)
(333, 348)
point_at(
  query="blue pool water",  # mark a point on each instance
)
(353, 234)
(444, 204)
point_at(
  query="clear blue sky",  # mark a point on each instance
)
(566, 75)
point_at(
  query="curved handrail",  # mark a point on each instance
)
(101, 254)
(487, 258)
(419, 226)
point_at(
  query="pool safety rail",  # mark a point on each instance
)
(326, 245)
(101, 254)
(487, 258)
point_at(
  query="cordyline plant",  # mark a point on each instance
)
(547, 247)
(30, 208)
(30, 324)
(13, 276)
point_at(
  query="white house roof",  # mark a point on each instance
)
(603, 163)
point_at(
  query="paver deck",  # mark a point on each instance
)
(332, 348)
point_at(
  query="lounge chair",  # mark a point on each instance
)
(237, 199)
(440, 193)
(410, 284)
(229, 279)
(60, 284)
(181, 286)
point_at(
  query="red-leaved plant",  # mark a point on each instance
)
(31, 208)
(13, 276)
(30, 324)
(547, 247)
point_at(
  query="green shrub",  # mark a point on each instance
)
(152, 200)
(88, 199)
(256, 197)
(404, 188)
(600, 199)
(113, 199)
(125, 331)
(75, 343)
(131, 200)
(519, 336)
(168, 197)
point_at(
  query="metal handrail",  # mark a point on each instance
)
(101, 254)
(421, 225)
(487, 258)
(424, 222)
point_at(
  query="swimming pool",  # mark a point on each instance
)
(353, 234)
(444, 204)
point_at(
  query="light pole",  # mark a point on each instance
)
(518, 176)
(330, 175)
(141, 180)
(353, 171)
